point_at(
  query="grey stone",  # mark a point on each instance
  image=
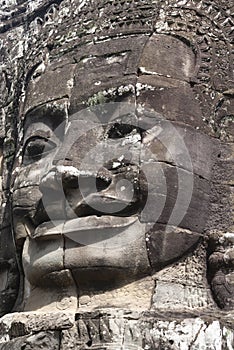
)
(41, 340)
(132, 207)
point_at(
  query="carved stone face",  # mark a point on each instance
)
(112, 191)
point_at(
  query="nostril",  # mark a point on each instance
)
(69, 180)
(69, 177)
(58, 178)
(103, 179)
(102, 184)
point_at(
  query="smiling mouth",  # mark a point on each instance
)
(98, 217)
(103, 205)
(94, 228)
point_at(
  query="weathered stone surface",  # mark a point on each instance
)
(42, 340)
(113, 329)
(179, 145)
(163, 53)
(166, 243)
(9, 273)
(109, 66)
(136, 295)
(194, 334)
(168, 100)
(21, 324)
(131, 208)
(175, 196)
(36, 262)
(60, 82)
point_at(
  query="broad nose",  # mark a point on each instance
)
(72, 178)
(68, 187)
(85, 193)
(64, 178)
(91, 173)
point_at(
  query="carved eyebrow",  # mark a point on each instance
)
(50, 113)
(40, 133)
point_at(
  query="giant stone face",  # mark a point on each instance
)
(113, 182)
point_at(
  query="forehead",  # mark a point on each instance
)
(86, 71)
(156, 71)
(153, 73)
(91, 68)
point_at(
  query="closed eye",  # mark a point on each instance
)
(37, 147)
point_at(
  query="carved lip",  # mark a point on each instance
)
(95, 225)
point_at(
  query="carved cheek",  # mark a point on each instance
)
(25, 202)
(27, 207)
(178, 190)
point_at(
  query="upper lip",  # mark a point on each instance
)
(82, 224)
(106, 204)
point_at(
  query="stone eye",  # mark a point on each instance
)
(37, 147)
(118, 130)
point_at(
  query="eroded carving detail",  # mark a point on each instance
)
(117, 95)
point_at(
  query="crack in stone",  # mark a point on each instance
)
(196, 336)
